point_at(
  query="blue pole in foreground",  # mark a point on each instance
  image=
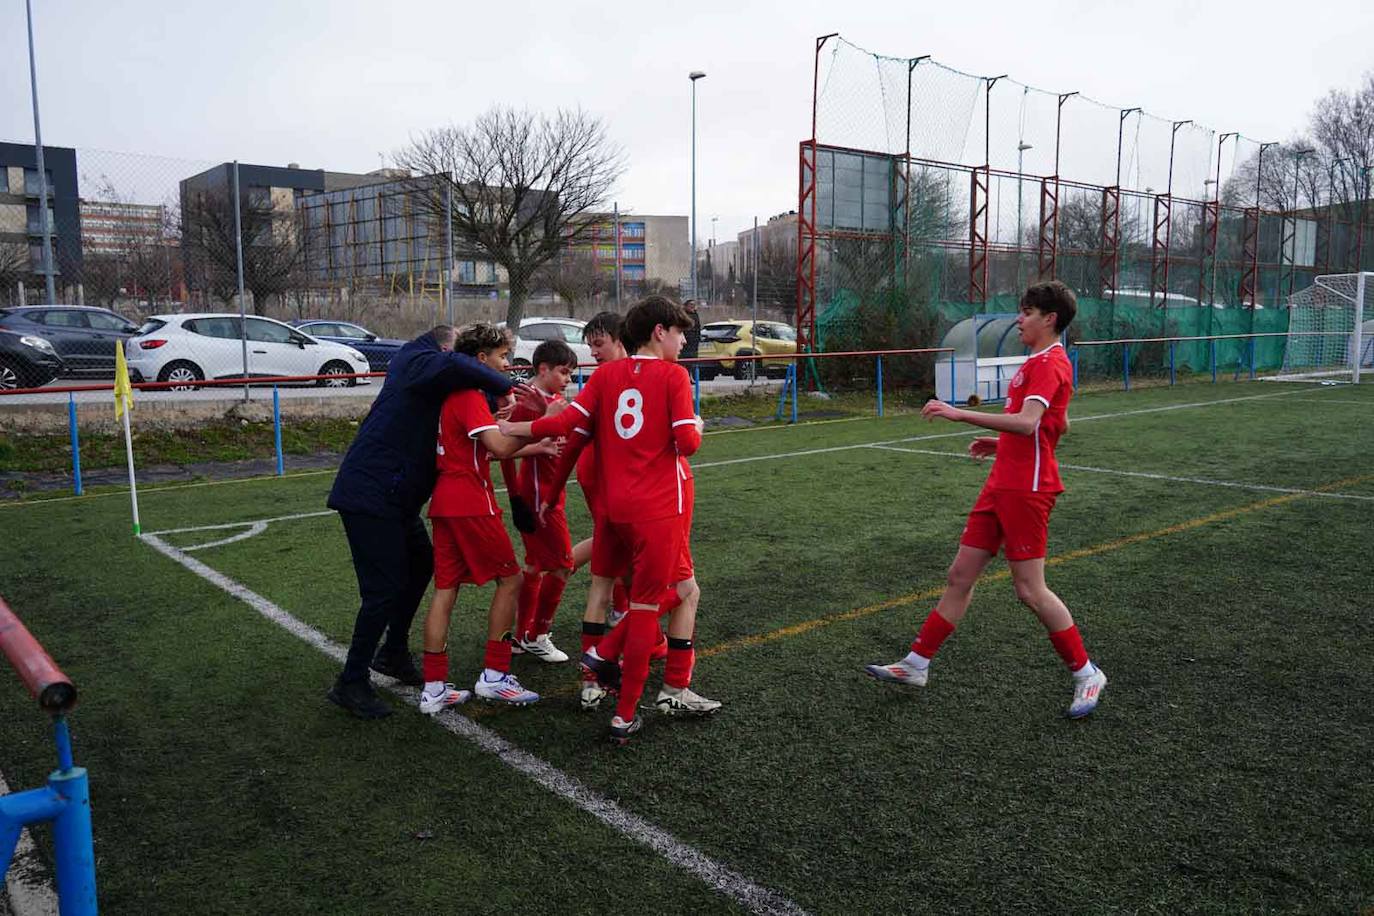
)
(1073, 358)
(76, 443)
(276, 430)
(1214, 360)
(696, 388)
(1252, 359)
(1171, 362)
(880, 386)
(796, 383)
(71, 830)
(1126, 367)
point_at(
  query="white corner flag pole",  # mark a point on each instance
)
(133, 487)
(124, 403)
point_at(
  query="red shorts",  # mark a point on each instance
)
(685, 568)
(1017, 518)
(471, 550)
(592, 497)
(549, 547)
(650, 552)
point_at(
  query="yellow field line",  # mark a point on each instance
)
(932, 594)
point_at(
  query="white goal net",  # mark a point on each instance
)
(1330, 329)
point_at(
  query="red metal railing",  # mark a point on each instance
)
(45, 681)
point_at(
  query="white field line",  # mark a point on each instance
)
(1369, 403)
(818, 451)
(1203, 481)
(718, 877)
(31, 891)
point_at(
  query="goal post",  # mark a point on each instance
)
(1330, 328)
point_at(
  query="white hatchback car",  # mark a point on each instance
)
(191, 348)
(534, 331)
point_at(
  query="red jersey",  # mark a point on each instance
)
(1028, 462)
(639, 412)
(464, 484)
(537, 472)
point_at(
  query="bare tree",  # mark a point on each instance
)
(574, 277)
(523, 186)
(14, 263)
(274, 242)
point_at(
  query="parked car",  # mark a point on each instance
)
(378, 350)
(27, 361)
(191, 348)
(534, 331)
(83, 336)
(723, 339)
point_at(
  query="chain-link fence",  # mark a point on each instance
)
(928, 194)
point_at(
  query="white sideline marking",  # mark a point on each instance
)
(31, 891)
(753, 897)
(1205, 481)
(227, 525)
(1369, 403)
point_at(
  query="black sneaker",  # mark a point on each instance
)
(359, 698)
(622, 730)
(607, 672)
(400, 665)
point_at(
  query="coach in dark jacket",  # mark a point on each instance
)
(384, 481)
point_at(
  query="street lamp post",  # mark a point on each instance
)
(1020, 179)
(694, 76)
(43, 189)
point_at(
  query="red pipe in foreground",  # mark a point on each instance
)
(46, 682)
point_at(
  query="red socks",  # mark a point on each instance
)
(681, 658)
(550, 594)
(1069, 645)
(497, 655)
(934, 631)
(613, 643)
(529, 602)
(434, 666)
(642, 627)
(592, 633)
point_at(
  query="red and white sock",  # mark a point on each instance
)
(497, 656)
(528, 606)
(550, 594)
(934, 632)
(1069, 645)
(434, 669)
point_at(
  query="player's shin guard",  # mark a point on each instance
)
(681, 658)
(550, 594)
(1069, 645)
(643, 633)
(934, 631)
(497, 655)
(528, 606)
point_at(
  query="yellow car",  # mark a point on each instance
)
(723, 339)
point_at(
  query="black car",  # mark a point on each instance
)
(27, 361)
(84, 336)
(378, 350)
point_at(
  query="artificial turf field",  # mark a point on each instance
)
(1213, 545)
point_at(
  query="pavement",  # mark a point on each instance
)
(716, 386)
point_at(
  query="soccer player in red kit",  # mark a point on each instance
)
(1013, 510)
(471, 545)
(640, 413)
(548, 549)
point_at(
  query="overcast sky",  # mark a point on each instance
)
(339, 85)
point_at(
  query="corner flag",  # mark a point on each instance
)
(123, 391)
(124, 405)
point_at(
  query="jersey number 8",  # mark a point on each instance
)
(629, 407)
